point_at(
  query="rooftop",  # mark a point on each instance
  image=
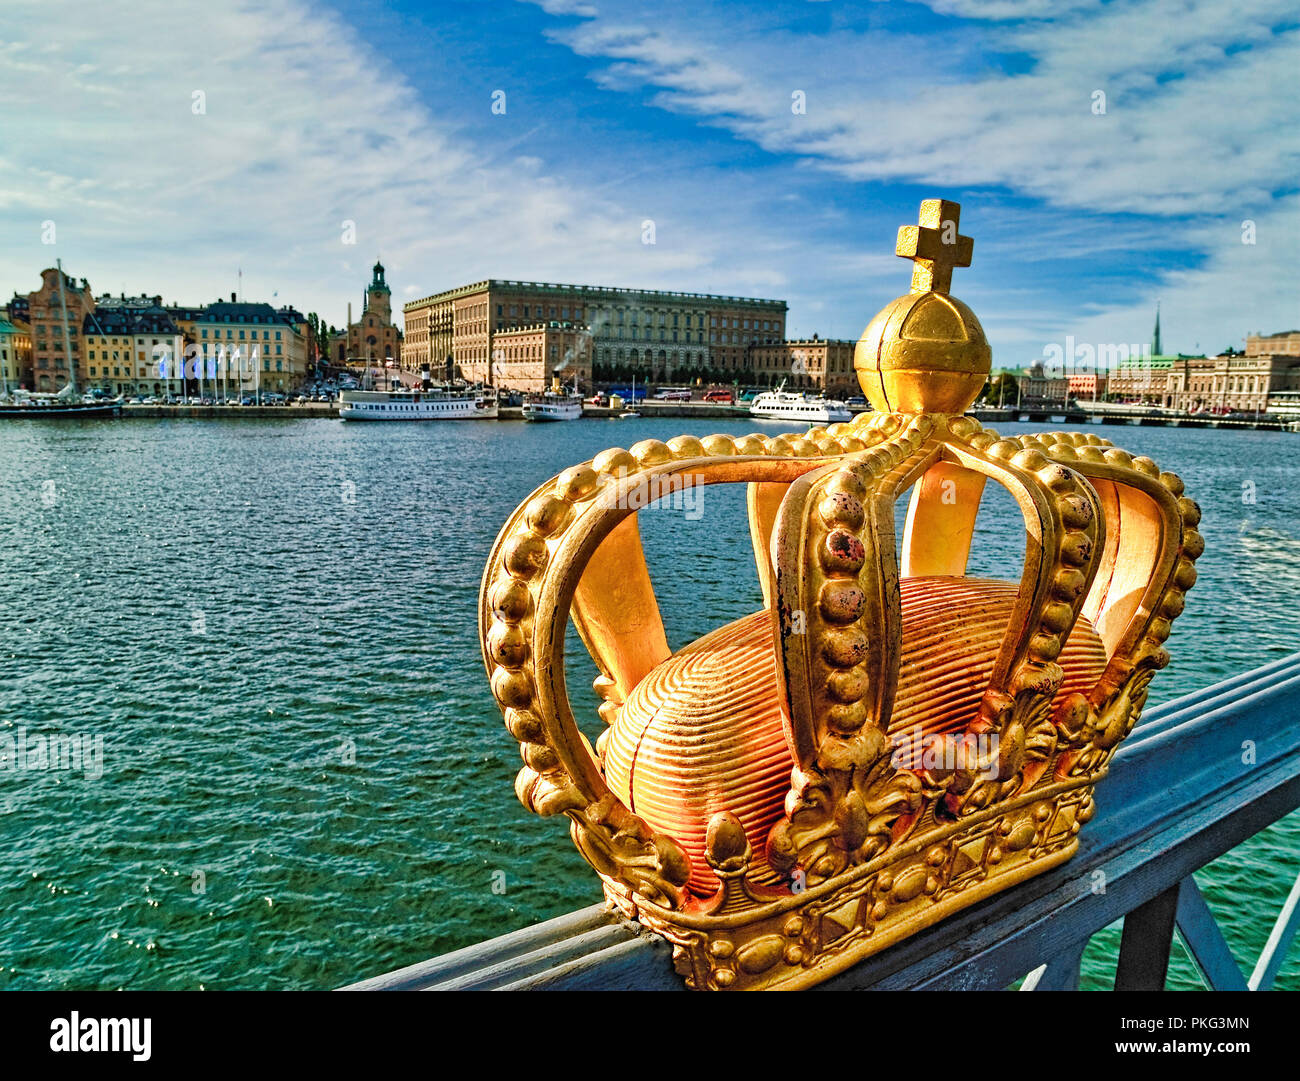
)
(152, 320)
(610, 292)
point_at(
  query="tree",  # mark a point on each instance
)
(1001, 389)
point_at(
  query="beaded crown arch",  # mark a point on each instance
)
(870, 850)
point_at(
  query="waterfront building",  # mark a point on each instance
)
(241, 330)
(1040, 387)
(669, 336)
(1091, 385)
(18, 308)
(15, 354)
(529, 358)
(52, 366)
(1285, 343)
(1233, 382)
(372, 338)
(737, 327)
(824, 364)
(1141, 378)
(125, 339)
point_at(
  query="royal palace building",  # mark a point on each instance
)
(670, 336)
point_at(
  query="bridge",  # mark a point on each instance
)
(1198, 776)
(1084, 412)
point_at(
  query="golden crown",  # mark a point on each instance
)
(883, 743)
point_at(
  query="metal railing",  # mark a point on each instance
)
(1197, 777)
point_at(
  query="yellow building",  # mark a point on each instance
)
(15, 355)
(125, 342)
(248, 342)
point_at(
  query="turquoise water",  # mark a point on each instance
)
(270, 626)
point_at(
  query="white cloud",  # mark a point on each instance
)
(1199, 127)
(302, 129)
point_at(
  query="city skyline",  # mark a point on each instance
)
(384, 119)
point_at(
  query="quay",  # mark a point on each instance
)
(1180, 794)
(716, 411)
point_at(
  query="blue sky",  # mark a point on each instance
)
(318, 114)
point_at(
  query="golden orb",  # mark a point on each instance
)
(926, 352)
(923, 353)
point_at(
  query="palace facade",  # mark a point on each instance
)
(667, 335)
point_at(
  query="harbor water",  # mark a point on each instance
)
(260, 637)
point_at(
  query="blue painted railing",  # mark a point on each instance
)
(1197, 777)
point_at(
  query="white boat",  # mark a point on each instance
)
(436, 404)
(782, 404)
(552, 405)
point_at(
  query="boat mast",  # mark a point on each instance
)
(67, 338)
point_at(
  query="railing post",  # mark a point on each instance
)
(1144, 947)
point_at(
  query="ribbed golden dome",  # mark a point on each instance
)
(703, 731)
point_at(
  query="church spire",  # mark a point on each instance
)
(1155, 337)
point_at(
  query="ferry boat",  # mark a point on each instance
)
(436, 404)
(552, 405)
(781, 404)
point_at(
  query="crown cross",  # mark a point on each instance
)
(935, 246)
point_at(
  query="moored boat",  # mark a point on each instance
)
(552, 405)
(781, 404)
(437, 404)
(53, 406)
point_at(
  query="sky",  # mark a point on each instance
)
(1108, 156)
